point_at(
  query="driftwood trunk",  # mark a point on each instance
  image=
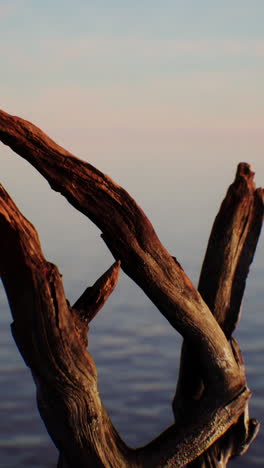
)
(212, 421)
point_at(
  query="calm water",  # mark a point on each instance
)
(137, 354)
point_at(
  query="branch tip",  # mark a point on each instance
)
(94, 297)
(245, 170)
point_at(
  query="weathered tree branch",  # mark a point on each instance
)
(230, 251)
(94, 297)
(131, 238)
(51, 335)
(49, 339)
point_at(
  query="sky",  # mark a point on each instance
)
(164, 96)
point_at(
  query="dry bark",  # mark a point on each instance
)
(230, 251)
(51, 335)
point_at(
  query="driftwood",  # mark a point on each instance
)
(211, 400)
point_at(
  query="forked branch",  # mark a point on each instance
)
(132, 239)
(51, 335)
(49, 338)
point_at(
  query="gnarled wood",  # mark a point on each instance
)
(230, 251)
(94, 297)
(49, 339)
(52, 336)
(131, 238)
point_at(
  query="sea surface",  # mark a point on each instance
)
(137, 356)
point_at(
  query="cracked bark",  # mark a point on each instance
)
(51, 334)
(230, 252)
